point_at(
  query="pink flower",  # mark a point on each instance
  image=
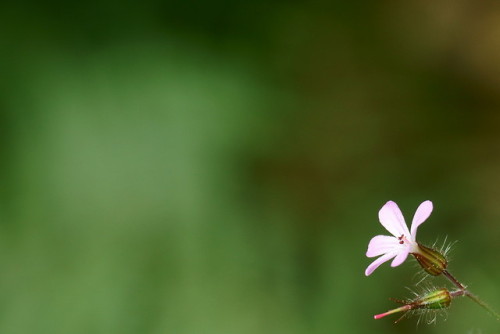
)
(403, 241)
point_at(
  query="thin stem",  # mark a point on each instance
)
(453, 280)
(463, 291)
(483, 304)
(457, 293)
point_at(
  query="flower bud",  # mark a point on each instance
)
(436, 299)
(433, 262)
(433, 300)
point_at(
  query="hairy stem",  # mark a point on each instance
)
(457, 293)
(463, 291)
(453, 280)
(483, 304)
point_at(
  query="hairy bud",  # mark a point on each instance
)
(432, 261)
(432, 300)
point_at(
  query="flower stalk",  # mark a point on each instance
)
(482, 304)
(464, 292)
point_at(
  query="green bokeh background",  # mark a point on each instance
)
(191, 167)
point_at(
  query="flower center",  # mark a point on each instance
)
(402, 240)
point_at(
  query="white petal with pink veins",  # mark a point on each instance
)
(401, 257)
(391, 218)
(375, 264)
(423, 212)
(381, 244)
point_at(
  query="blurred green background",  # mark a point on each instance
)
(192, 167)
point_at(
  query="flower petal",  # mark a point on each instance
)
(423, 212)
(401, 257)
(391, 218)
(375, 264)
(381, 244)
